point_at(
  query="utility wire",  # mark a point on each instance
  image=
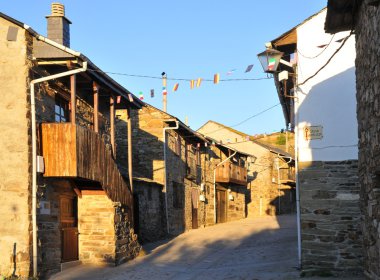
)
(328, 61)
(247, 119)
(312, 57)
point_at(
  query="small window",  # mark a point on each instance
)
(178, 195)
(61, 109)
(198, 156)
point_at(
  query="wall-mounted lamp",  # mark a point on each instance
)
(270, 59)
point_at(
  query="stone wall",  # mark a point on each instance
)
(97, 237)
(106, 236)
(48, 222)
(15, 163)
(367, 32)
(330, 218)
(151, 210)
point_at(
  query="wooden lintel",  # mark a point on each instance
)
(93, 192)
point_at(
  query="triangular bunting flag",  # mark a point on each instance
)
(191, 84)
(130, 97)
(152, 93)
(175, 87)
(229, 73)
(141, 96)
(199, 81)
(216, 78)
(249, 68)
(164, 91)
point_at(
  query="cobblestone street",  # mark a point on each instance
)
(260, 248)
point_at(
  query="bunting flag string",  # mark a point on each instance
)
(197, 82)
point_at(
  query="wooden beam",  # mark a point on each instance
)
(96, 106)
(129, 136)
(73, 98)
(112, 123)
(93, 192)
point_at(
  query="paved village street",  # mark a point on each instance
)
(260, 248)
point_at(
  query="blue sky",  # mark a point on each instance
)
(186, 39)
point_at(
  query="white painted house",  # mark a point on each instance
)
(319, 104)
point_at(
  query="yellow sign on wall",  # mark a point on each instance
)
(313, 132)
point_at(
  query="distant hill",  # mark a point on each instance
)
(277, 139)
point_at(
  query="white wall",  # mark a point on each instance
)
(328, 99)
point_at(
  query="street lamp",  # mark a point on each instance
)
(269, 59)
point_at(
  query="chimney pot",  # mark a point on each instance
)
(57, 9)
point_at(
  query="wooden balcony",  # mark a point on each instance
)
(73, 151)
(231, 173)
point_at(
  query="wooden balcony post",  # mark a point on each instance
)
(130, 170)
(73, 88)
(96, 106)
(112, 123)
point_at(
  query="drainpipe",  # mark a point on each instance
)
(34, 153)
(165, 177)
(298, 183)
(220, 163)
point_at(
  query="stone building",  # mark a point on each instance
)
(315, 81)
(271, 184)
(62, 197)
(173, 174)
(363, 18)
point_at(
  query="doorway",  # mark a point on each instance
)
(221, 206)
(69, 227)
(194, 207)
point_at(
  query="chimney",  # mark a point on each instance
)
(58, 26)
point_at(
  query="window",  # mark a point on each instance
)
(177, 145)
(61, 109)
(178, 195)
(198, 156)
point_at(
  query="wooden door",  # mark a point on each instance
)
(221, 206)
(194, 207)
(69, 228)
(194, 214)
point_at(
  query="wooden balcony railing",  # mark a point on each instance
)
(231, 173)
(77, 152)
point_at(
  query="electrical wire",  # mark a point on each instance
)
(328, 61)
(247, 119)
(312, 57)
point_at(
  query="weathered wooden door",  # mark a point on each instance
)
(69, 227)
(194, 208)
(221, 206)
